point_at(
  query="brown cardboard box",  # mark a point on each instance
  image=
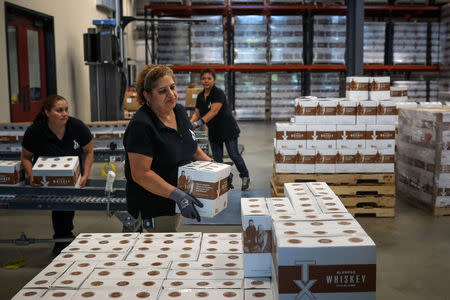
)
(130, 101)
(191, 96)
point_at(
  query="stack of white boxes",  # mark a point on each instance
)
(336, 135)
(284, 88)
(11, 136)
(149, 266)
(286, 39)
(250, 44)
(207, 41)
(11, 172)
(374, 38)
(57, 171)
(319, 250)
(250, 95)
(208, 182)
(410, 43)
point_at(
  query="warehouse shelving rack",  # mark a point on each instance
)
(353, 13)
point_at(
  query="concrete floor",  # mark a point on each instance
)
(413, 249)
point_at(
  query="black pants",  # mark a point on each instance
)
(62, 223)
(233, 152)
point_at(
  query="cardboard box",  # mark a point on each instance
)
(357, 88)
(57, 171)
(117, 293)
(321, 137)
(346, 161)
(350, 137)
(29, 294)
(191, 96)
(379, 88)
(130, 101)
(325, 268)
(305, 111)
(11, 172)
(326, 111)
(208, 182)
(257, 229)
(387, 112)
(206, 294)
(290, 136)
(399, 93)
(261, 294)
(346, 112)
(366, 112)
(325, 161)
(380, 137)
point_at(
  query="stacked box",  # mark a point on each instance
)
(284, 88)
(207, 41)
(257, 228)
(286, 39)
(173, 43)
(399, 93)
(410, 43)
(374, 38)
(11, 172)
(290, 136)
(208, 182)
(357, 88)
(57, 171)
(11, 135)
(423, 156)
(379, 88)
(435, 42)
(250, 40)
(329, 39)
(250, 95)
(417, 89)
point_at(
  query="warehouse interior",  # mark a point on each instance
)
(274, 60)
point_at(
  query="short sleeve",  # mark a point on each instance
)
(84, 134)
(218, 97)
(138, 139)
(29, 141)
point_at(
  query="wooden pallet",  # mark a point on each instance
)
(372, 211)
(337, 178)
(368, 200)
(433, 210)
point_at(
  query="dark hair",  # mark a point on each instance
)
(49, 102)
(208, 70)
(147, 78)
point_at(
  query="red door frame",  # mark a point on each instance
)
(26, 110)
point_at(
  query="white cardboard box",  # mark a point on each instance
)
(57, 171)
(290, 136)
(346, 112)
(399, 93)
(380, 136)
(350, 136)
(321, 137)
(387, 112)
(206, 294)
(208, 183)
(346, 161)
(326, 111)
(379, 88)
(11, 171)
(325, 161)
(357, 88)
(366, 112)
(305, 111)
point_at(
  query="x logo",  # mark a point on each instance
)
(305, 286)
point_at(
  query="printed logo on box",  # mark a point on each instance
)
(357, 86)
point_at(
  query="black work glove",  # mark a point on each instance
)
(230, 182)
(186, 203)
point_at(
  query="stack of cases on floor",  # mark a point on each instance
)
(329, 39)
(325, 84)
(250, 40)
(183, 81)
(250, 95)
(11, 172)
(319, 251)
(286, 39)
(374, 38)
(207, 41)
(285, 87)
(337, 135)
(106, 133)
(444, 74)
(149, 266)
(11, 136)
(410, 43)
(423, 156)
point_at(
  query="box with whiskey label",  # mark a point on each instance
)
(57, 171)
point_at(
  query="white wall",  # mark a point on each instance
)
(71, 18)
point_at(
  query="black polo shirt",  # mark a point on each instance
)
(169, 148)
(41, 141)
(223, 126)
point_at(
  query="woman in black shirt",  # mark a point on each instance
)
(55, 133)
(213, 109)
(159, 139)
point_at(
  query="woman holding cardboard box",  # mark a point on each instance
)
(55, 133)
(157, 141)
(212, 109)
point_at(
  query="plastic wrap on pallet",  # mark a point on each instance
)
(285, 87)
(207, 41)
(325, 84)
(423, 154)
(250, 96)
(173, 44)
(183, 81)
(410, 43)
(435, 44)
(329, 39)
(374, 38)
(286, 39)
(250, 39)
(417, 89)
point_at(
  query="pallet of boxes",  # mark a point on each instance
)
(348, 143)
(309, 244)
(423, 158)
